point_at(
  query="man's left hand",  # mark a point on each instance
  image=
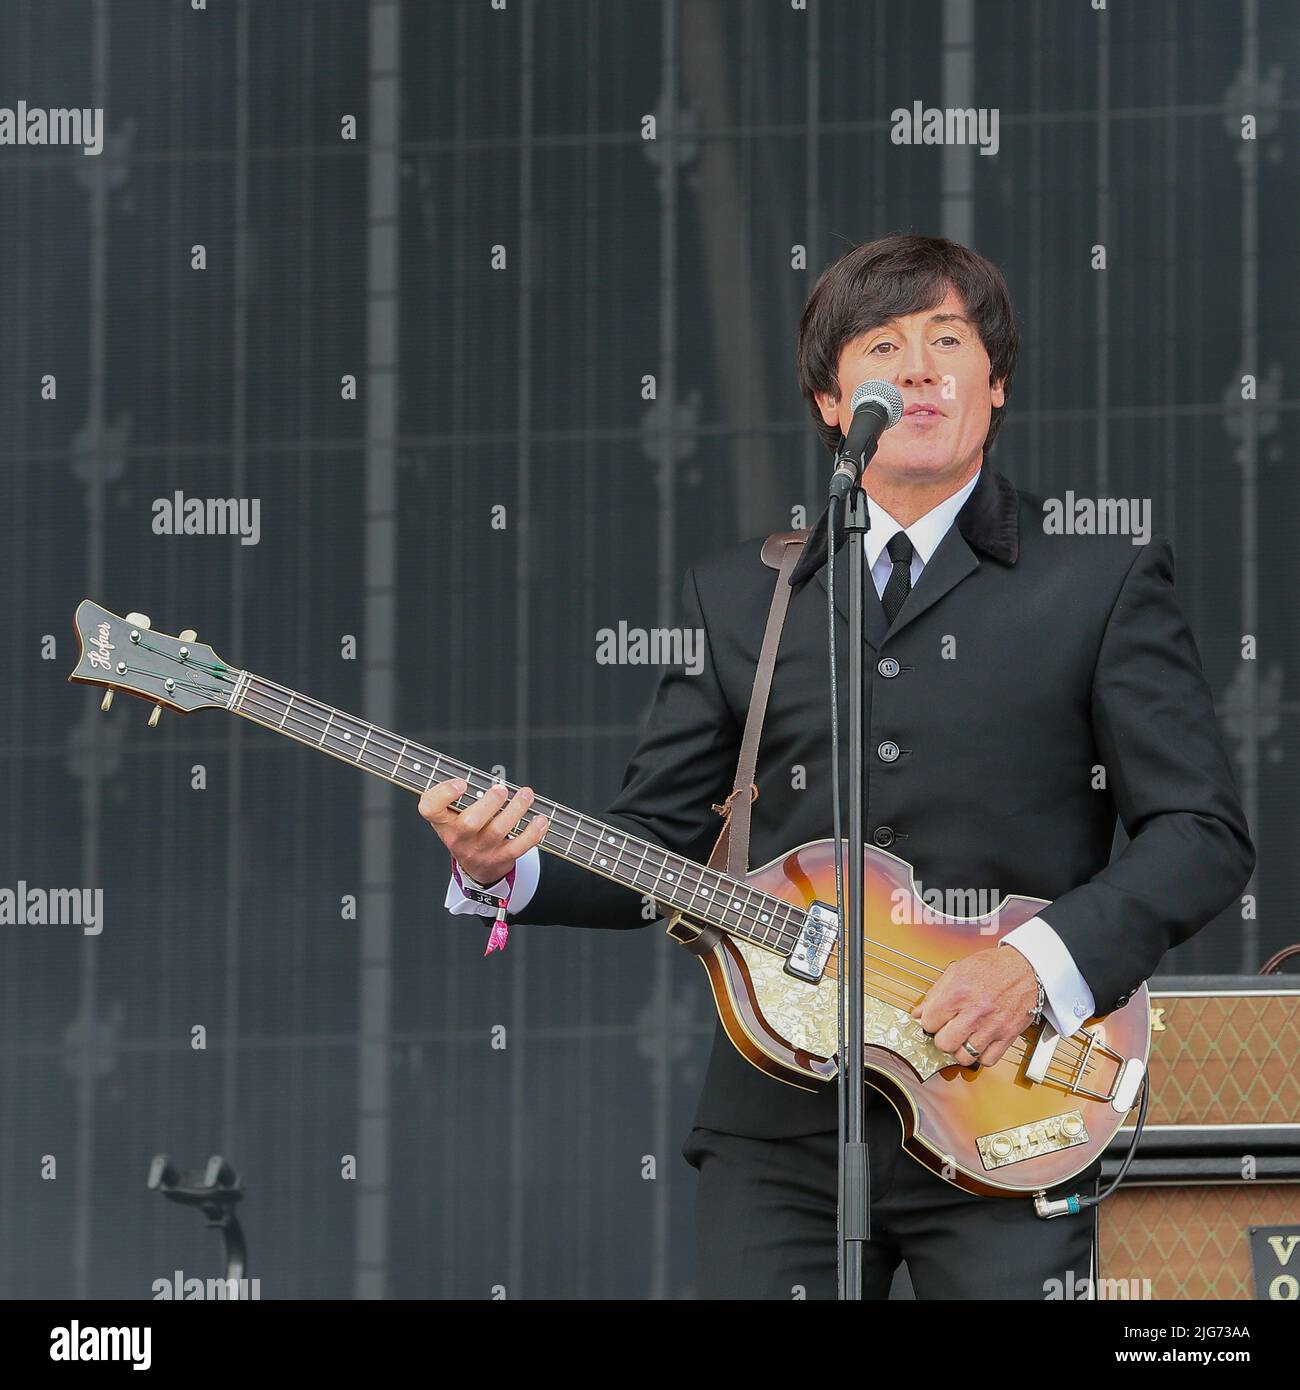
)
(985, 1000)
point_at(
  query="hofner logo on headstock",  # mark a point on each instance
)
(98, 648)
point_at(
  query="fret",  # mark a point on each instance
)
(645, 849)
(398, 761)
(673, 878)
(364, 741)
(763, 920)
(542, 807)
(720, 893)
(568, 849)
(600, 851)
(769, 921)
(602, 840)
(654, 882)
(285, 715)
(628, 847)
(605, 858)
(743, 902)
(326, 730)
(611, 852)
(691, 885)
(588, 850)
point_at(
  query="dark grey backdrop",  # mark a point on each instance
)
(521, 387)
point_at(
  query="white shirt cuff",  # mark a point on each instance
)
(1069, 1002)
(528, 870)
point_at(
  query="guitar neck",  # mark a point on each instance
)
(701, 893)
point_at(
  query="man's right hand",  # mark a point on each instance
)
(477, 837)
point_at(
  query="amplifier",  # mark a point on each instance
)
(1225, 1051)
(1193, 1239)
(1210, 1207)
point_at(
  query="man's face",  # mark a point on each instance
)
(936, 359)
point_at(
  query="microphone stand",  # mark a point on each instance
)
(854, 1216)
(215, 1192)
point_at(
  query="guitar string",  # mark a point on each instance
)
(1069, 1077)
(1012, 1054)
(587, 837)
(587, 827)
(776, 906)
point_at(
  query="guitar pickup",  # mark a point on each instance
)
(814, 944)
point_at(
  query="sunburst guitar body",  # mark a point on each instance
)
(1043, 1113)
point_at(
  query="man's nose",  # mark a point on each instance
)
(916, 367)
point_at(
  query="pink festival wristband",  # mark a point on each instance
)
(500, 932)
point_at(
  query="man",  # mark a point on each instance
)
(1026, 688)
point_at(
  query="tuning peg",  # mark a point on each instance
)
(154, 716)
(139, 620)
(189, 635)
(106, 703)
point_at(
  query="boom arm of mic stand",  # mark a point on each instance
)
(215, 1192)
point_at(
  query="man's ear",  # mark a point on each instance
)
(999, 396)
(829, 406)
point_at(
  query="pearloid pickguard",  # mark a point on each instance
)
(804, 1014)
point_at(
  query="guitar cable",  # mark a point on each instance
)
(1073, 1205)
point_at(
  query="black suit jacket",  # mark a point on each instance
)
(1028, 662)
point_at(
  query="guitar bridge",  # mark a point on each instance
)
(1126, 1076)
(814, 944)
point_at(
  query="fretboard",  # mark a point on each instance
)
(675, 883)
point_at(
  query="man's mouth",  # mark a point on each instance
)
(922, 411)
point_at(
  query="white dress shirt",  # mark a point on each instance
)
(1069, 1001)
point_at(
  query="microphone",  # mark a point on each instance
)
(876, 405)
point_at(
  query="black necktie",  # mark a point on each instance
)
(900, 577)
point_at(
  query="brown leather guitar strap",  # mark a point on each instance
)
(731, 852)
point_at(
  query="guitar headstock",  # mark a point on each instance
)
(126, 654)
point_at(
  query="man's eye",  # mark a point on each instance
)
(948, 338)
(878, 346)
